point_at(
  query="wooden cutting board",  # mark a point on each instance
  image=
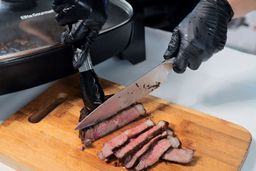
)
(53, 144)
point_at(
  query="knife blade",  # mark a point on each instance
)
(131, 94)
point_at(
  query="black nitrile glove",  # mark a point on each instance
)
(85, 19)
(93, 13)
(71, 11)
(92, 92)
(201, 34)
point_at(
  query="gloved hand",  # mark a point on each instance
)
(201, 34)
(85, 19)
(91, 90)
(93, 13)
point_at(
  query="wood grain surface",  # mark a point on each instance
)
(53, 144)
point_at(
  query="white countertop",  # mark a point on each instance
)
(224, 87)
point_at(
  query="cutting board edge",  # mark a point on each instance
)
(14, 163)
(247, 152)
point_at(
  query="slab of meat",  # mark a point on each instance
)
(142, 139)
(133, 158)
(119, 120)
(121, 139)
(153, 156)
(183, 156)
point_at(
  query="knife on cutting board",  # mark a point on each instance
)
(131, 94)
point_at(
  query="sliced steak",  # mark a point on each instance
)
(119, 120)
(153, 156)
(170, 132)
(133, 158)
(183, 156)
(83, 113)
(121, 139)
(174, 141)
(142, 139)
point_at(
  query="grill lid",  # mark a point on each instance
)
(28, 26)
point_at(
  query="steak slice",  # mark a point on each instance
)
(119, 120)
(153, 156)
(183, 156)
(83, 113)
(132, 159)
(174, 141)
(142, 139)
(121, 139)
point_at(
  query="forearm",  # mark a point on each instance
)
(242, 7)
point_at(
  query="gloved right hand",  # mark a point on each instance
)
(201, 34)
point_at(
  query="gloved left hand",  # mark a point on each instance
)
(93, 13)
(85, 18)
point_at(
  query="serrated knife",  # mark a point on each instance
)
(131, 94)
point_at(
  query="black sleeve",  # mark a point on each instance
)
(176, 13)
(164, 14)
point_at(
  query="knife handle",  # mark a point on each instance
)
(35, 118)
(171, 61)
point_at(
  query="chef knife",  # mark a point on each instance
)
(131, 94)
